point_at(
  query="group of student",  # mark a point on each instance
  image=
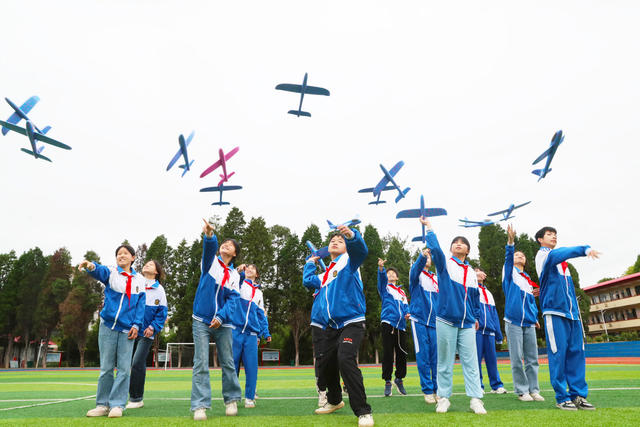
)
(450, 312)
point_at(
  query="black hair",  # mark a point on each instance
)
(256, 267)
(463, 240)
(334, 234)
(525, 256)
(394, 270)
(159, 270)
(540, 234)
(236, 245)
(128, 248)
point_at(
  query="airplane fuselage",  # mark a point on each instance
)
(183, 148)
(302, 91)
(390, 178)
(32, 138)
(223, 163)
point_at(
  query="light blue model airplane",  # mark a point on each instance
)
(20, 113)
(557, 139)
(506, 213)
(350, 223)
(221, 189)
(419, 213)
(386, 179)
(182, 152)
(302, 89)
(466, 223)
(322, 253)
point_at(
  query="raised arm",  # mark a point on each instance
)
(416, 270)
(382, 277)
(437, 255)
(356, 248)
(309, 278)
(209, 246)
(97, 271)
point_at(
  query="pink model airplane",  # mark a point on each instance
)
(221, 162)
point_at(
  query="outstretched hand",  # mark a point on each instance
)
(346, 231)
(381, 264)
(511, 234)
(207, 229)
(593, 254)
(425, 221)
(313, 259)
(241, 268)
(88, 265)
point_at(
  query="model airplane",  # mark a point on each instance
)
(419, 213)
(466, 223)
(221, 189)
(377, 201)
(386, 179)
(321, 253)
(302, 89)
(350, 223)
(20, 113)
(557, 139)
(222, 161)
(183, 152)
(506, 213)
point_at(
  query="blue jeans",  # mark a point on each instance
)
(523, 346)
(245, 348)
(139, 368)
(450, 339)
(200, 384)
(115, 351)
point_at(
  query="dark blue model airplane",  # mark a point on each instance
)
(386, 179)
(31, 130)
(221, 189)
(419, 213)
(506, 213)
(557, 139)
(350, 223)
(302, 89)
(322, 253)
(183, 152)
(466, 223)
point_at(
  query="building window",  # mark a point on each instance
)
(594, 299)
(605, 297)
(633, 314)
(637, 289)
(627, 292)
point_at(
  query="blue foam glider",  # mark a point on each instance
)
(20, 113)
(557, 139)
(466, 223)
(377, 201)
(386, 179)
(302, 89)
(419, 213)
(221, 189)
(183, 152)
(506, 213)
(350, 223)
(322, 253)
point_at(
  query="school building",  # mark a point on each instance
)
(615, 306)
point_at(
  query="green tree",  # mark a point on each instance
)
(257, 248)
(233, 228)
(398, 257)
(369, 274)
(141, 255)
(492, 240)
(635, 268)
(8, 291)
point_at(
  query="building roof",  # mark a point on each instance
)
(618, 281)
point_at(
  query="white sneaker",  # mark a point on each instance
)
(526, 397)
(365, 420)
(430, 398)
(98, 411)
(537, 397)
(248, 403)
(135, 405)
(443, 405)
(499, 390)
(200, 414)
(329, 408)
(477, 406)
(231, 408)
(322, 398)
(115, 412)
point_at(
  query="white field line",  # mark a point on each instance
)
(49, 403)
(47, 382)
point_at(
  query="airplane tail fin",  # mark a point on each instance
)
(228, 176)
(417, 239)
(404, 193)
(40, 149)
(186, 168)
(46, 129)
(219, 203)
(331, 226)
(539, 172)
(377, 202)
(36, 155)
(299, 113)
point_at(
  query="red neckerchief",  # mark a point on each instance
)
(484, 292)
(326, 273)
(128, 288)
(564, 267)
(151, 287)
(531, 282)
(465, 267)
(430, 276)
(225, 278)
(397, 288)
(253, 289)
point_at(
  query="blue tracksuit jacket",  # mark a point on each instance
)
(519, 303)
(423, 286)
(155, 311)
(489, 323)
(394, 302)
(249, 315)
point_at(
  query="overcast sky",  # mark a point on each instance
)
(467, 93)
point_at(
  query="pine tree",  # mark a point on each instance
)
(369, 274)
(233, 228)
(257, 248)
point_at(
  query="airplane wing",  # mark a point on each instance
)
(289, 87)
(189, 138)
(231, 153)
(313, 90)
(415, 213)
(210, 169)
(382, 184)
(524, 204)
(468, 221)
(542, 156)
(175, 159)
(220, 188)
(499, 212)
(370, 190)
(38, 136)
(26, 107)
(394, 170)
(323, 252)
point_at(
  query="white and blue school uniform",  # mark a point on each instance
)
(124, 305)
(458, 310)
(423, 287)
(487, 335)
(565, 344)
(249, 323)
(392, 316)
(520, 316)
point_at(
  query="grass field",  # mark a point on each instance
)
(287, 398)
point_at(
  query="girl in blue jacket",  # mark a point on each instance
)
(121, 318)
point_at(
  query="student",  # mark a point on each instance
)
(456, 320)
(487, 335)
(342, 314)
(393, 316)
(565, 345)
(520, 322)
(213, 306)
(249, 325)
(120, 320)
(155, 315)
(423, 286)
